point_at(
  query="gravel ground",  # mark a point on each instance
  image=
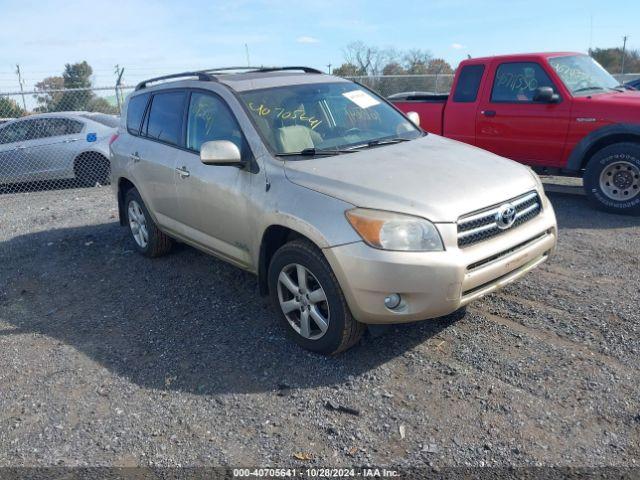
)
(108, 358)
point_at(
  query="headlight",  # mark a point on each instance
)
(395, 231)
(537, 179)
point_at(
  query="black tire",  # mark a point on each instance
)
(624, 157)
(343, 330)
(92, 168)
(157, 243)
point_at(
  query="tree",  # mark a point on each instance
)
(439, 66)
(416, 61)
(611, 59)
(99, 104)
(368, 60)
(346, 70)
(9, 108)
(77, 76)
(49, 99)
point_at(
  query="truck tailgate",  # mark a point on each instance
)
(431, 112)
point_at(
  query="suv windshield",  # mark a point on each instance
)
(325, 116)
(581, 74)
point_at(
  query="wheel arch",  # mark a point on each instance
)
(273, 237)
(124, 185)
(599, 139)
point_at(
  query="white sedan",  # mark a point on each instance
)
(57, 146)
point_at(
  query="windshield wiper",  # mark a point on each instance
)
(312, 152)
(376, 143)
(592, 87)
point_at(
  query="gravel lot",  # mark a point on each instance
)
(108, 358)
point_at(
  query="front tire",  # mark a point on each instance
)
(146, 236)
(612, 179)
(313, 308)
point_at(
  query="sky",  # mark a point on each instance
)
(150, 38)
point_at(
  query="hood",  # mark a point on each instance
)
(432, 177)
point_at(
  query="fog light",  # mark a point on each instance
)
(392, 301)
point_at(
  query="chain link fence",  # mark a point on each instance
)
(56, 139)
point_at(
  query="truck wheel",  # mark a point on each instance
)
(612, 178)
(147, 238)
(313, 308)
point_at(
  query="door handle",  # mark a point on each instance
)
(20, 147)
(70, 140)
(488, 113)
(135, 157)
(183, 172)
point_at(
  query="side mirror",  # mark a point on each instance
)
(220, 152)
(545, 95)
(414, 117)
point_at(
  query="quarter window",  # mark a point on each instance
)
(165, 117)
(210, 119)
(135, 112)
(468, 84)
(517, 82)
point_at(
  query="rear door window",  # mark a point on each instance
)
(135, 112)
(517, 82)
(164, 122)
(468, 84)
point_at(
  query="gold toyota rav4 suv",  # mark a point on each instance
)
(345, 209)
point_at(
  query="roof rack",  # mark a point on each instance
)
(209, 74)
(202, 75)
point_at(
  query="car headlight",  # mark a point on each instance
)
(395, 231)
(537, 178)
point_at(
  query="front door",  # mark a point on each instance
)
(214, 200)
(512, 124)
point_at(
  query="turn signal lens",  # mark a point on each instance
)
(395, 231)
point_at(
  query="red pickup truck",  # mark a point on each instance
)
(561, 113)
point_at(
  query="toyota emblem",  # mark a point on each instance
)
(506, 216)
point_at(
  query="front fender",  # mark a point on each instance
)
(587, 145)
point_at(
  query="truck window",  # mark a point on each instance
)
(135, 111)
(164, 121)
(468, 84)
(517, 82)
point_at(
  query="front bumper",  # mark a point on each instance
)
(433, 284)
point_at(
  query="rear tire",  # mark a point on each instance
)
(331, 328)
(92, 168)
(612, 179)
(147, 238)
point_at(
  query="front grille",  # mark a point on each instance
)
(478, 226)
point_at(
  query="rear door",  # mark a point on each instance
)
(512, 124)
(50, 152)
(153, 160)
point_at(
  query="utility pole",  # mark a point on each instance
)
(246, 49)
(119, 72)
(329, 67)
(19, 73)
(624, 47)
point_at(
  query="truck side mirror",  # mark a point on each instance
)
(414, 117)
(545, 95)
(220, 152)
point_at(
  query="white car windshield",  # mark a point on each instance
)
(582, 75)
(325, 117)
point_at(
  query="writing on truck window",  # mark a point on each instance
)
(284, 114)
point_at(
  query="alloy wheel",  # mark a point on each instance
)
(303, 301)
(138, 224)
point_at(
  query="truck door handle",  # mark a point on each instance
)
(135, 157)
(488, 113)
(183, 172)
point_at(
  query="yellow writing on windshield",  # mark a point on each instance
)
(278, 112)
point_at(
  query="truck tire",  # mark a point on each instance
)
(612, 178)
(146, 236)
(312, 306)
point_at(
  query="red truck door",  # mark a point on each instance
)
(512, 124)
